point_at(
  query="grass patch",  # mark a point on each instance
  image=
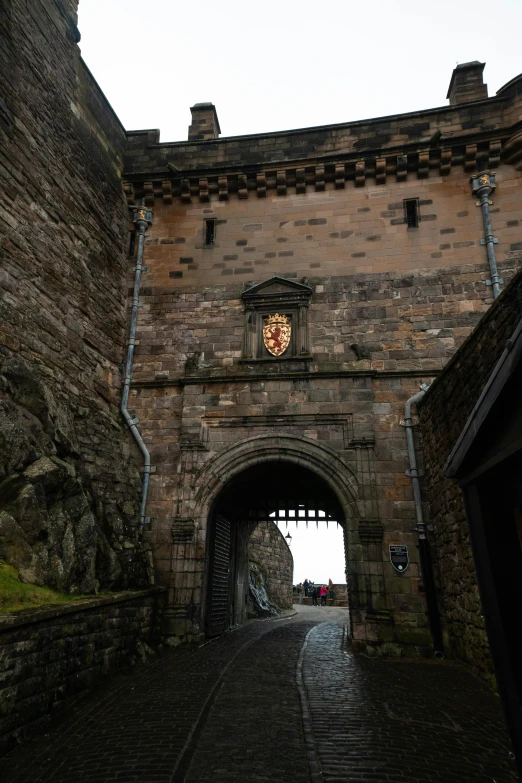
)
(16, 595)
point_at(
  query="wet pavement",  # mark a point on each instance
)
(276, 700)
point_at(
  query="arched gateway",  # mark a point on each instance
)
(243, 484)
(284, 476)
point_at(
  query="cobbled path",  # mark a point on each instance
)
(280, 701)
(400, 722)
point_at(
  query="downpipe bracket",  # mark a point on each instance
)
(413, 473)
(493, 239)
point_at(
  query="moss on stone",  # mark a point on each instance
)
(16, 595)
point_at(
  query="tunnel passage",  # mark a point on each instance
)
(263, 493)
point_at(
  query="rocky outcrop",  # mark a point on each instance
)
(54, 527)
(259, 603)
(270, 557)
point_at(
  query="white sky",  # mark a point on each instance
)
(318, 551)
(280, 64)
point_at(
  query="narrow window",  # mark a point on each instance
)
(411, 212)
(132, 244)
(210, 231)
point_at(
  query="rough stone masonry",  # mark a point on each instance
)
(69, 481)
(378, 221)
(366, 235)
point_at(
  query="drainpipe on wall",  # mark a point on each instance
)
(483, 185)
(142, 218)
(420, 528)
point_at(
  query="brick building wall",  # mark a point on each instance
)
(389, 306)
(63, 237)
(443, 413)
(268, 549)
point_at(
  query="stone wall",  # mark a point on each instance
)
(52, 655)
(336, 232)
(69, 481)
(268, 549)
(389, 307)
(443, 413)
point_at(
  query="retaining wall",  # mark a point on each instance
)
(51, 655)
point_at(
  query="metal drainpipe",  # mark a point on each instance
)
(142, 218)
(483, 185)
(420, 528)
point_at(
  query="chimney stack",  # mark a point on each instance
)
(205, 123)
(467, 84)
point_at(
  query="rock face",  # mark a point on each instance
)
(53, 528)
(260, 604)
(269, 555)
(69, 479)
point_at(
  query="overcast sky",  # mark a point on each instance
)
(281, 64)
(318, 551)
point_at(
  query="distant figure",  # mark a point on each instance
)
(306, 586)
(300, 588)
(315, 593)
(324, 592)
(331, 593)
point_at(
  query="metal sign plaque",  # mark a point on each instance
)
(399, 557)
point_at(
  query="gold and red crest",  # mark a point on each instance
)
(276, 333)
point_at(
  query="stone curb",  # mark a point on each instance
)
(316, 772)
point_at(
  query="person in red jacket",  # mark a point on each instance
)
(324, 593)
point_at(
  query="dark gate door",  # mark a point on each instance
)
(218, 602)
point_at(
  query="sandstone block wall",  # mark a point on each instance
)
(331, 233)
(268, 549)
(69, 482)
(443, 413)
(389, 307)
(52, 655)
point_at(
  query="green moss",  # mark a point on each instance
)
(16, 595)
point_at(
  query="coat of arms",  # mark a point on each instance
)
(276, 334)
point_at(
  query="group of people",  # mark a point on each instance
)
(309, 589)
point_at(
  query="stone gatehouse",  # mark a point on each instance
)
(367, 238)
(362, 243)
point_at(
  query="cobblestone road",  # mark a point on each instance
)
(280, 701)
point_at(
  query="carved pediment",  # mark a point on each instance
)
(278, 287)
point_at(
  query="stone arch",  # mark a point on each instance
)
(321, 459)
(326, 463)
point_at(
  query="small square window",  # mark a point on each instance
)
(411, 212)
(209, 231)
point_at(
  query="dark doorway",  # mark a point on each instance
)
(261, 494)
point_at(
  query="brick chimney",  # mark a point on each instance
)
(205, 123)
(467, 84)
